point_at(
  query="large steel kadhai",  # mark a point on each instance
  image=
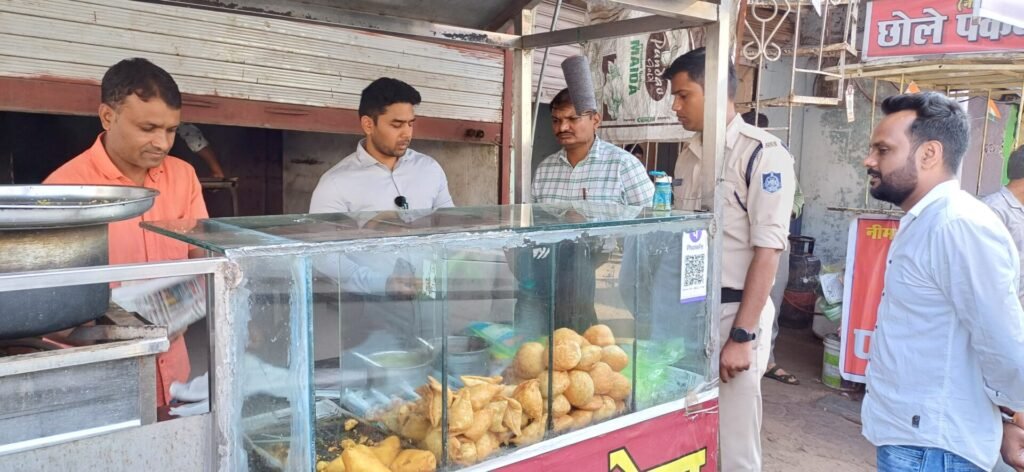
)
(56, 227)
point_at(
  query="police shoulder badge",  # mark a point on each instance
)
(771, 182)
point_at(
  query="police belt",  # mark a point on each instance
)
(731, 295)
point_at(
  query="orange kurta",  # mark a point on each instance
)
(181, 197)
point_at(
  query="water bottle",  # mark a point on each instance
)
(662, 191)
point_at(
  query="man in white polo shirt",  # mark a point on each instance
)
(384, 173)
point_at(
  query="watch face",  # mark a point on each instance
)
(741, 335)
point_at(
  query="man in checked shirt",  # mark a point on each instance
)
(585, 171)
(587, 168)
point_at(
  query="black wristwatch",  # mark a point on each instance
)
(741, 335)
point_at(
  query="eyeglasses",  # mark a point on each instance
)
(401, 202)
(572, 120)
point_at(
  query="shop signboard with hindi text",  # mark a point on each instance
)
(927, 27)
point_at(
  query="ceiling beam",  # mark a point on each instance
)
(503, 20)
(353, 19)
(614, 29)
(701, 10)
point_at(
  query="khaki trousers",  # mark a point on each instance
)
(740, 399)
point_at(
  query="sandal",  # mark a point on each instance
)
(788, 379)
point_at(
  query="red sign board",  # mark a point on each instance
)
(866, 254)
(921, 27)
(675, 442)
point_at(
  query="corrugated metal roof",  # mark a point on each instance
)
(477, 14)
(248, 57)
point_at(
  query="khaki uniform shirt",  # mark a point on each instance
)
(754, 216)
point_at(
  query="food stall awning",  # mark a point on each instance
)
(999, 73)
(940, 47)
(465, 21)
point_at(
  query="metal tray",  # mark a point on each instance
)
(268, 436)
(53, 206)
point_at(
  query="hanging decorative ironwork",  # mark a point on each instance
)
(764, 47)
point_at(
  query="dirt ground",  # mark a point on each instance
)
(810, 427)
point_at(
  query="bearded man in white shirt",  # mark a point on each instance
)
(948, 348)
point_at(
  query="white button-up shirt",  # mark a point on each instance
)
(361, 183)
(949, 343)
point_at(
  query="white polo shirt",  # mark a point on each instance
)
(361, 183)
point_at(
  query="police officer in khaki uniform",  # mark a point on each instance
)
(759, 182)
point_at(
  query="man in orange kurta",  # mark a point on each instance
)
(140, 111)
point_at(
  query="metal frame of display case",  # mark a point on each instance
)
(717, 18)
(148, 443)
(211, 434)
(229, 333)
(225, 332)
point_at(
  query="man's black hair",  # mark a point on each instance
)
(562, 99)
(1015, 164)
(384, 92)
(139, 77)
(761, 120)
(693, 64)
(939, 118)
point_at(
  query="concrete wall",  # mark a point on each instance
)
(831, 173)
(472, 169)
(828, 152)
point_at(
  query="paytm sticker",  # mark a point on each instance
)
(771, 182)
(693, 284)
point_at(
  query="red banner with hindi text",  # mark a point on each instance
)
(867, 249)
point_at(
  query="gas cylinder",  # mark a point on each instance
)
(798, 299)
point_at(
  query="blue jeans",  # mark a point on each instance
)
(921, 459)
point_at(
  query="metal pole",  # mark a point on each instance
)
(792, 76)
(716, 101)
(741, 20)
(757, 76)
(544, 64)
(824, 32)
(874, 101)
(984, 143)
(225, 397)
(655, 155)
(1020, 114)
(522, 71)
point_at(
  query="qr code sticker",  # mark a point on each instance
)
(694, 272)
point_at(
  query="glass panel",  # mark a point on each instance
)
(378, 339)
(273, 369)
(224, 234)
(593, 329)
(487, 279)
(670, 357)
(464, 333)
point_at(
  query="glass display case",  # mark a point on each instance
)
(423, 340)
